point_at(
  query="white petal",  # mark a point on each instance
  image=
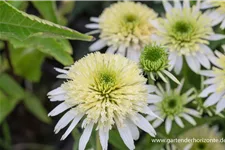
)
(151, 88)
(92, 26)
(208, 73)
(222, 26)
(168, 125)
(95, 19)
(212, 99)
(171, 76)
(65, 120)
(134, 130)
(85, 136)
(154, 98)
(220, 106)
(208, 90)
(122, 50)
(104, 137)
(178, 64)
(61, 70)
(179, 122)
(126, 135)
(143, 124)
(188, 146)
(186, 4)
(205, 5)
(56, 91)
(189, 119)
(215, 37)
(180, 86)
(157, 123)
(167, 6)
(59, 109)
(172, 60)
(97, 45)
(210, 81)
(192, 112)
(193, 63)
(177, 4)
(133, 54)
(72, 125)
(111, 50)
(57, 98)
(203, 60)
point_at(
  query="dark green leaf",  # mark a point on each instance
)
(34, 105)
(10, 87)
(116, 140)
(27, 62)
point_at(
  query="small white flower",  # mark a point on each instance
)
(172, 107)
(186, 32)
(217, 14)
(216, 83)
(106, 90)
(124, 28)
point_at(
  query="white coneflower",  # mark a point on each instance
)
(124, 28)
(154, 62)
(186, 32)
(217, 14)
(105, 90)
(201, 133)
(216, 83)
(172, 107)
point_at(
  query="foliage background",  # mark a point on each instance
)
(27, 75)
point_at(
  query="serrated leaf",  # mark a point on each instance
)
(10, 87)
(21, 60)
(52, 47)
(47, 9)
(34, 105)
(19, 25)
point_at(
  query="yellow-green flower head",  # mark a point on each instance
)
(172, 107)
(124, 27)
(154, 61)
(105, 90)
(203, 134)
(186, 31)
(217, 14)
(216, 83)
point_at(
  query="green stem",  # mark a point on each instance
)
(98, 144)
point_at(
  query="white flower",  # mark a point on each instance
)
(124, 28)
(105, 90)
(217, 14)
(202, 132)
(216, 83)
(186, 32)
(172, 107)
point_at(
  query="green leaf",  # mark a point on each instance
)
(10, 87)
(7, 104)
(21, 5)
(116, 140)
(23, 26)
(34, 105)
(53, 47)
(47, 9)
(27, 62)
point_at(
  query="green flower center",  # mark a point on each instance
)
(172, 105)
(130, 18)
(199, 146)
(182, 27)
(153, 58)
